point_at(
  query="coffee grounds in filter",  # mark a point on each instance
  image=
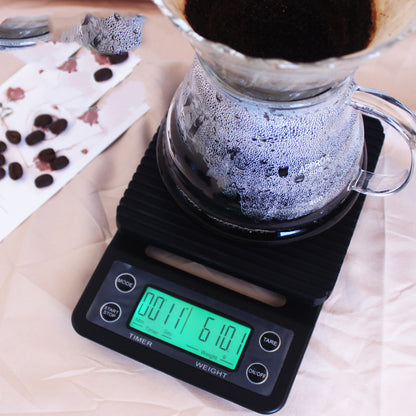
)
(295, 30)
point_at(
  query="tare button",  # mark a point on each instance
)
(269, 341)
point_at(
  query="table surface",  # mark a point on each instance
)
(362, 356)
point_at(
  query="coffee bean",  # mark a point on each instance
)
(58, 126)
(59, 163)
(35, 137)
(13, 136)
(43, 181)
(2, 173)
(119, 58)
(15, 170)
(2, 159)
(47, 155)
(3, 147)
(103, 74)
(43, 120)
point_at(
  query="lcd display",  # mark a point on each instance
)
(190, 328)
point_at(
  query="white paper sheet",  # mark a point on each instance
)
(59, 80)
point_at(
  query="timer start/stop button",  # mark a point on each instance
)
(110, 312)
(125, 282)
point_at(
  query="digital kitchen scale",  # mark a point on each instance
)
(214, 338)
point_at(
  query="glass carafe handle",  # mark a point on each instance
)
(376, 104)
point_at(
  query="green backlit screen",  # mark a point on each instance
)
(190, 327)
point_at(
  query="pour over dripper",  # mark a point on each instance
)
(281, 80)
(268, 149)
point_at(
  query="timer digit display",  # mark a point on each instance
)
(190, 328)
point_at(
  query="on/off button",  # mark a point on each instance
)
(257, 373)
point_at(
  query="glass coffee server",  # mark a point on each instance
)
(272, 150)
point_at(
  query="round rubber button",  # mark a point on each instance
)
(257, 373)
(125, 282)
(269, 341)
(110, 312)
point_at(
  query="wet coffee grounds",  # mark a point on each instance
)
(35, 137)
(295, 30)
(43, 120)
(3, 147)
(15, 170)
(103, 74)
(58, 126)
(47, 155)
(59, 163)
(43, 181)
(13, 136)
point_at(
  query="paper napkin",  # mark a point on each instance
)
(62, 81)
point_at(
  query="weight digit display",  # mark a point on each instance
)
(190, 328)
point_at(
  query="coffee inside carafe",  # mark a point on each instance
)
(295, 30)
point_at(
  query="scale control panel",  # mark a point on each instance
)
(190, 328)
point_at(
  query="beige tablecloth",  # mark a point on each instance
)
(362, 356)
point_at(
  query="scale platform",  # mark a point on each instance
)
(209, 336)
